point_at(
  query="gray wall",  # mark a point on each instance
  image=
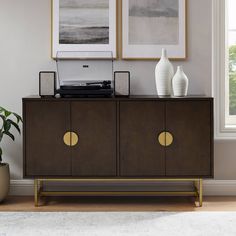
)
(25, 50)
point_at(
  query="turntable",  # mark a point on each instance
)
(85, 74)
(86, 89)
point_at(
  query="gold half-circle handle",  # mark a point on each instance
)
(66, 138)
(74, 139)
(162, 139)
(169, 139)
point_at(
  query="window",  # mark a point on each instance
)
(224, 67)
(230, 100)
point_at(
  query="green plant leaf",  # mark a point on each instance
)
(7, 125)
(15, 125)
(7, 113)
(9, 135)
(17, 117)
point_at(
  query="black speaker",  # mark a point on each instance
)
(122, 83)
(47, 83)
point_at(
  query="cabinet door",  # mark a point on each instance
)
(45, 124)
(141, 122)
(95, 124)
(190, 122)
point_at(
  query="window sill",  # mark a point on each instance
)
(229, 128)
(228, 133)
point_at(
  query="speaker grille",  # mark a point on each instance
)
(47, 83)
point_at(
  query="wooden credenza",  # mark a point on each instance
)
(118, 138)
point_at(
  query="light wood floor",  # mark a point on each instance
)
(93, 204)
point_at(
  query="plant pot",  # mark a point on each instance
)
(4, 181)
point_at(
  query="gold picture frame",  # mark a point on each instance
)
(110, 47)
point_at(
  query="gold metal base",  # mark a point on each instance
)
(39, 191)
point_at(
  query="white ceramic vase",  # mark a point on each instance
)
(164, 73)
(180, 83)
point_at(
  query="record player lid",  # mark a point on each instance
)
(73, 71)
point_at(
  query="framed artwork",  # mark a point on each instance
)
(150, 25)
(83, 26)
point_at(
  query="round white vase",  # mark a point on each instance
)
(164, 73)
(180, 83)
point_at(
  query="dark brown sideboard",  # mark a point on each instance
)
(140, 137)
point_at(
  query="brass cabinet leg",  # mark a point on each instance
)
(198, 189)
(36, 193)
(196, 182)
(200, 193)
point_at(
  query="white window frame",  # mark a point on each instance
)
(219, 71)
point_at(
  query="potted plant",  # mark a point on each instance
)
(8, 120)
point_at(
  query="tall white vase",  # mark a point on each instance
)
(164, 73)
(180, 83)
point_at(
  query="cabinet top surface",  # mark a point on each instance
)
(136, 97)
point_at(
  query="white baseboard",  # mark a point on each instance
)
(22, 187)
(219, 188)
(210, 188)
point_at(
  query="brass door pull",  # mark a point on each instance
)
(67, 138)
(74, 139)
(165, 139)
(169, 139)
(162, 139)
(70, 139)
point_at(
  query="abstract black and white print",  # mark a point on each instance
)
(84, 21)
